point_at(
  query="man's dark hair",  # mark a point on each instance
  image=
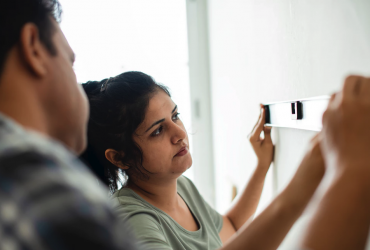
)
(14, 14)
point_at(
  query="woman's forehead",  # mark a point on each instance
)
(159, 104)
(160, 107)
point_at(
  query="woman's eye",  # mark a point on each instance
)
(176, 116)
(157, 131)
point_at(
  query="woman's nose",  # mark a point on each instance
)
(179, 133)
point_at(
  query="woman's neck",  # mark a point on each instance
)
(161, 194)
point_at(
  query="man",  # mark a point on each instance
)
(48, 199)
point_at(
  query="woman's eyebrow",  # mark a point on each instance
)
(174, 109)
(157, 122)
(162, 120)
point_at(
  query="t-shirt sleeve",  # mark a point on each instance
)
(216, 217)
(149, 232)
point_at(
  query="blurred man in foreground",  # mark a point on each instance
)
(48, 199)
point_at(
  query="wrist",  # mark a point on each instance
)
(351, 159)
(263, 166)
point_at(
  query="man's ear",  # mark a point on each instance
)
(111, 154)
(34, 52)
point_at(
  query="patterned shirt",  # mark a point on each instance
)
(50, 200)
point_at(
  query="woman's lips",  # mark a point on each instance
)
(183, 151)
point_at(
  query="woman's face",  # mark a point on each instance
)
(163, 139)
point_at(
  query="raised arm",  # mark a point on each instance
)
(269, 229)
(343, 217)
(246, 204)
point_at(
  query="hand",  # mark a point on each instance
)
(346, 131)
(263, 148)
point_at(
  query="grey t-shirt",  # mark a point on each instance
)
(157, 230)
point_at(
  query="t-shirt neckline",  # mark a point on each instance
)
(194, 233)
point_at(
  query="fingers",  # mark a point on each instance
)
(259, 117)
(355, 88)
(255, 125)
(258, 128)
(345, 138)
(365, 89)
(351, 87)
(333, 97)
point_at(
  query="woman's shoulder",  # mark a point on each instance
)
(124, 196)
(126, 202)
(187, 189)
(129, 207)
(138, 216)
(185, 182)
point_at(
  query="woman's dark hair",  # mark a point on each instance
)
(117, 107)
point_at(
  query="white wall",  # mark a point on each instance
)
(275, 50)
(200, 99)
(111, 37)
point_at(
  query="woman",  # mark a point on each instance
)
(135, 130)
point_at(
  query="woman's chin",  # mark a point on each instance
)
(189, 162)
(184, 166)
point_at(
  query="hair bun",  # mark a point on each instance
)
(92, 87)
